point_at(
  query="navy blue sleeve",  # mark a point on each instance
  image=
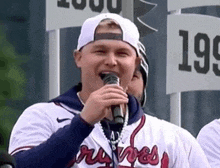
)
(58, 150)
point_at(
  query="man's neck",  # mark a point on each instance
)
(83, 95)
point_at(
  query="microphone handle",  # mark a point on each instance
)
(117, 113)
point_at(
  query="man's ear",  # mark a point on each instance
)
(77, 57)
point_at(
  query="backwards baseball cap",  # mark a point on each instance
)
(130, 33)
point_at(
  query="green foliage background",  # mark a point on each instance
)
(12, 82)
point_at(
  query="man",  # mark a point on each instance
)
(209, 139)
(77, 128)
(138, 85)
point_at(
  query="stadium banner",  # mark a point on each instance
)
(72, 13)
(193, 53)
(180, 4)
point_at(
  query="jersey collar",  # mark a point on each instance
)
(71, 100)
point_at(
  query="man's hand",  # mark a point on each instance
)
(99, 102)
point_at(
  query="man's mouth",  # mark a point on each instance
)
(104, 73)
(110, 78)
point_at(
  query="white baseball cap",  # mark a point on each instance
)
(130, 33)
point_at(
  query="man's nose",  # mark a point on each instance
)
(111, 60)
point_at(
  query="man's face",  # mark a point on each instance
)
(136, 86)
(104, 56)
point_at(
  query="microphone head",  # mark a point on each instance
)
(6, 160)
(110, 78)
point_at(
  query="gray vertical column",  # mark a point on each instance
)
(128, 9)
(175, 99)
(54, 63)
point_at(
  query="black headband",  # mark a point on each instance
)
(113, 36)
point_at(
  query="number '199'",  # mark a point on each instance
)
(201, 52)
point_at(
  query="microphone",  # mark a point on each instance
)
(117, 112)
(6, 160)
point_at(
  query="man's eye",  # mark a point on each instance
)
(135, 77)
(100, 51)
(122, 54)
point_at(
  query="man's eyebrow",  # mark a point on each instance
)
(103, 46)
(124, 49)
(99, 46)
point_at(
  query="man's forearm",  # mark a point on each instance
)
(58, 150)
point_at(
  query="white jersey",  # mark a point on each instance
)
(149, 142)
(209, 140)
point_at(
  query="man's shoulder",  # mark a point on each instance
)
(215, 124)
(49, 109)
(168, 127)
(210, 129)
(42, 106)
(160, 122)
